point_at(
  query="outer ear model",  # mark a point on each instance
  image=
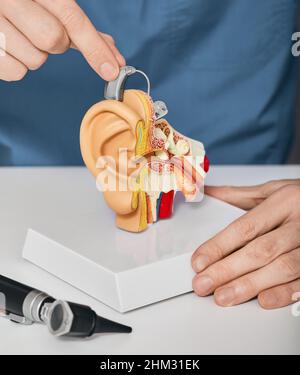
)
(139, 162)
(106, 128)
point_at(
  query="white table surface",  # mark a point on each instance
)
(183, 325)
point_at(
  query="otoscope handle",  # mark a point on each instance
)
(26, 305)
(14, 293)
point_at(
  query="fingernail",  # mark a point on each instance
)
(108, 71)
(201, 263)
(203, 285)
(225, 296)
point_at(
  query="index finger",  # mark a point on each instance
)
(254, 223)
(85, 36)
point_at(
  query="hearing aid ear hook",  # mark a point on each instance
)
(115, 89)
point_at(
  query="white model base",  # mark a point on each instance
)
(80, 244)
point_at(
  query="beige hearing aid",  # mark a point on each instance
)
(139, 160)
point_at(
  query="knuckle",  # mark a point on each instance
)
(247, 286)
(95, 56)
(291, 191)
(286, 293)
(289, 292)
(54, 38)
(266, 187)
(71, 17)
(262, 251)
(289, 266)
(216, 250)
(109, 38)
(221, 272)
(293, 194)
(245, 228)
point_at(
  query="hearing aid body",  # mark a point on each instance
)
(137, 157)
(115, 89)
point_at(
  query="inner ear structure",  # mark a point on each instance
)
(140, 162)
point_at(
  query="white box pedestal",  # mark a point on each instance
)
(79, 243)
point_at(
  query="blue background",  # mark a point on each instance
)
(224, 67)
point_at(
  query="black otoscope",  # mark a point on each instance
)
(26, 305)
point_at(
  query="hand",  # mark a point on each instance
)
(33, 29)
(259, 253)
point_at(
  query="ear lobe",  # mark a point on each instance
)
(104, 121)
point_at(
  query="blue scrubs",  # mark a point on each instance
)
(224, 67)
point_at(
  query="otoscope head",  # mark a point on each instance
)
(71, 319)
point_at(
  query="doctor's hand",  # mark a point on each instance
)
(259, 253)
(30, 30)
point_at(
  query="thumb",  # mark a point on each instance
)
(247, 197)
(242, 197)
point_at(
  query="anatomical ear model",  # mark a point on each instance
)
(138, 158)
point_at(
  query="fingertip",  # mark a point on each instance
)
(225, 296)
(217, 191)
(200, 263)
(268, 300)
(203, 285)
(109, 71)
(194, 285)
(219, 301)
